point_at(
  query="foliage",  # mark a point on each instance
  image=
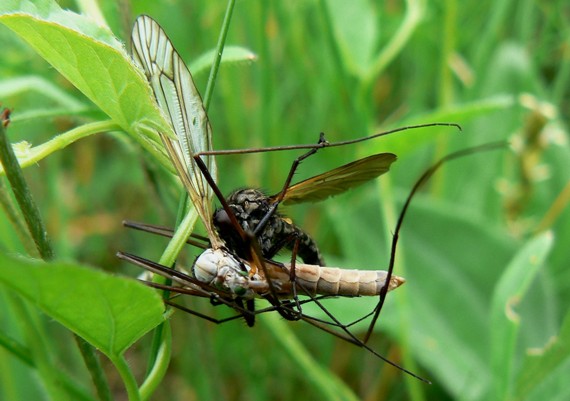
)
(484, 311)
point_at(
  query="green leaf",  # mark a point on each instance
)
(445, 300)
(109, 312)
(354, 25)
(232, 55)
(91, 58)
(325, 382)
(34, 83)
(545, 367)
(504, 322)
(449, 282)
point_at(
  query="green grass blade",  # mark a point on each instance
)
(504, 320)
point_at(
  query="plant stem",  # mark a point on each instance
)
(414, 14)
(94, 367)
(16, 220)
(162, 359)
(37, 153)
(219, 51)
(128, 378)
(24, 198)
(38, 232)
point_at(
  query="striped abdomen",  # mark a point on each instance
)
(331, 280)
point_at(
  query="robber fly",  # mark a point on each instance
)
(255, 210)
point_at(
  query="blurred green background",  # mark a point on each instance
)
(350, 69)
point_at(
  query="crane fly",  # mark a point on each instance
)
(178, 97)
(236, 266)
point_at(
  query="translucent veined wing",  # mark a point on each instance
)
(340, 179)
(178, 97)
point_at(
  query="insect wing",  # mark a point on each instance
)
(179, 99)
(340, 179)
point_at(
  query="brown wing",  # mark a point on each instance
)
(340, 179)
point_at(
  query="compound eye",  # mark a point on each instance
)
(222, 219)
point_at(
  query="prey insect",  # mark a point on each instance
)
(239, 270)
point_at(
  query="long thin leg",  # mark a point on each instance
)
(197, 287)
(327, 145)
(250, 308)
(261, 226)
(200, 241)
(166, 272)
(256, 256)
(248, 312)
(184, 279)
(295, 315)
(347, 335)
(172, 274)
(293, 276)
(422, 180)
(202, 315)
(216, 300)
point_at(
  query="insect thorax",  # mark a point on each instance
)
(250, 206)
(221, 269)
